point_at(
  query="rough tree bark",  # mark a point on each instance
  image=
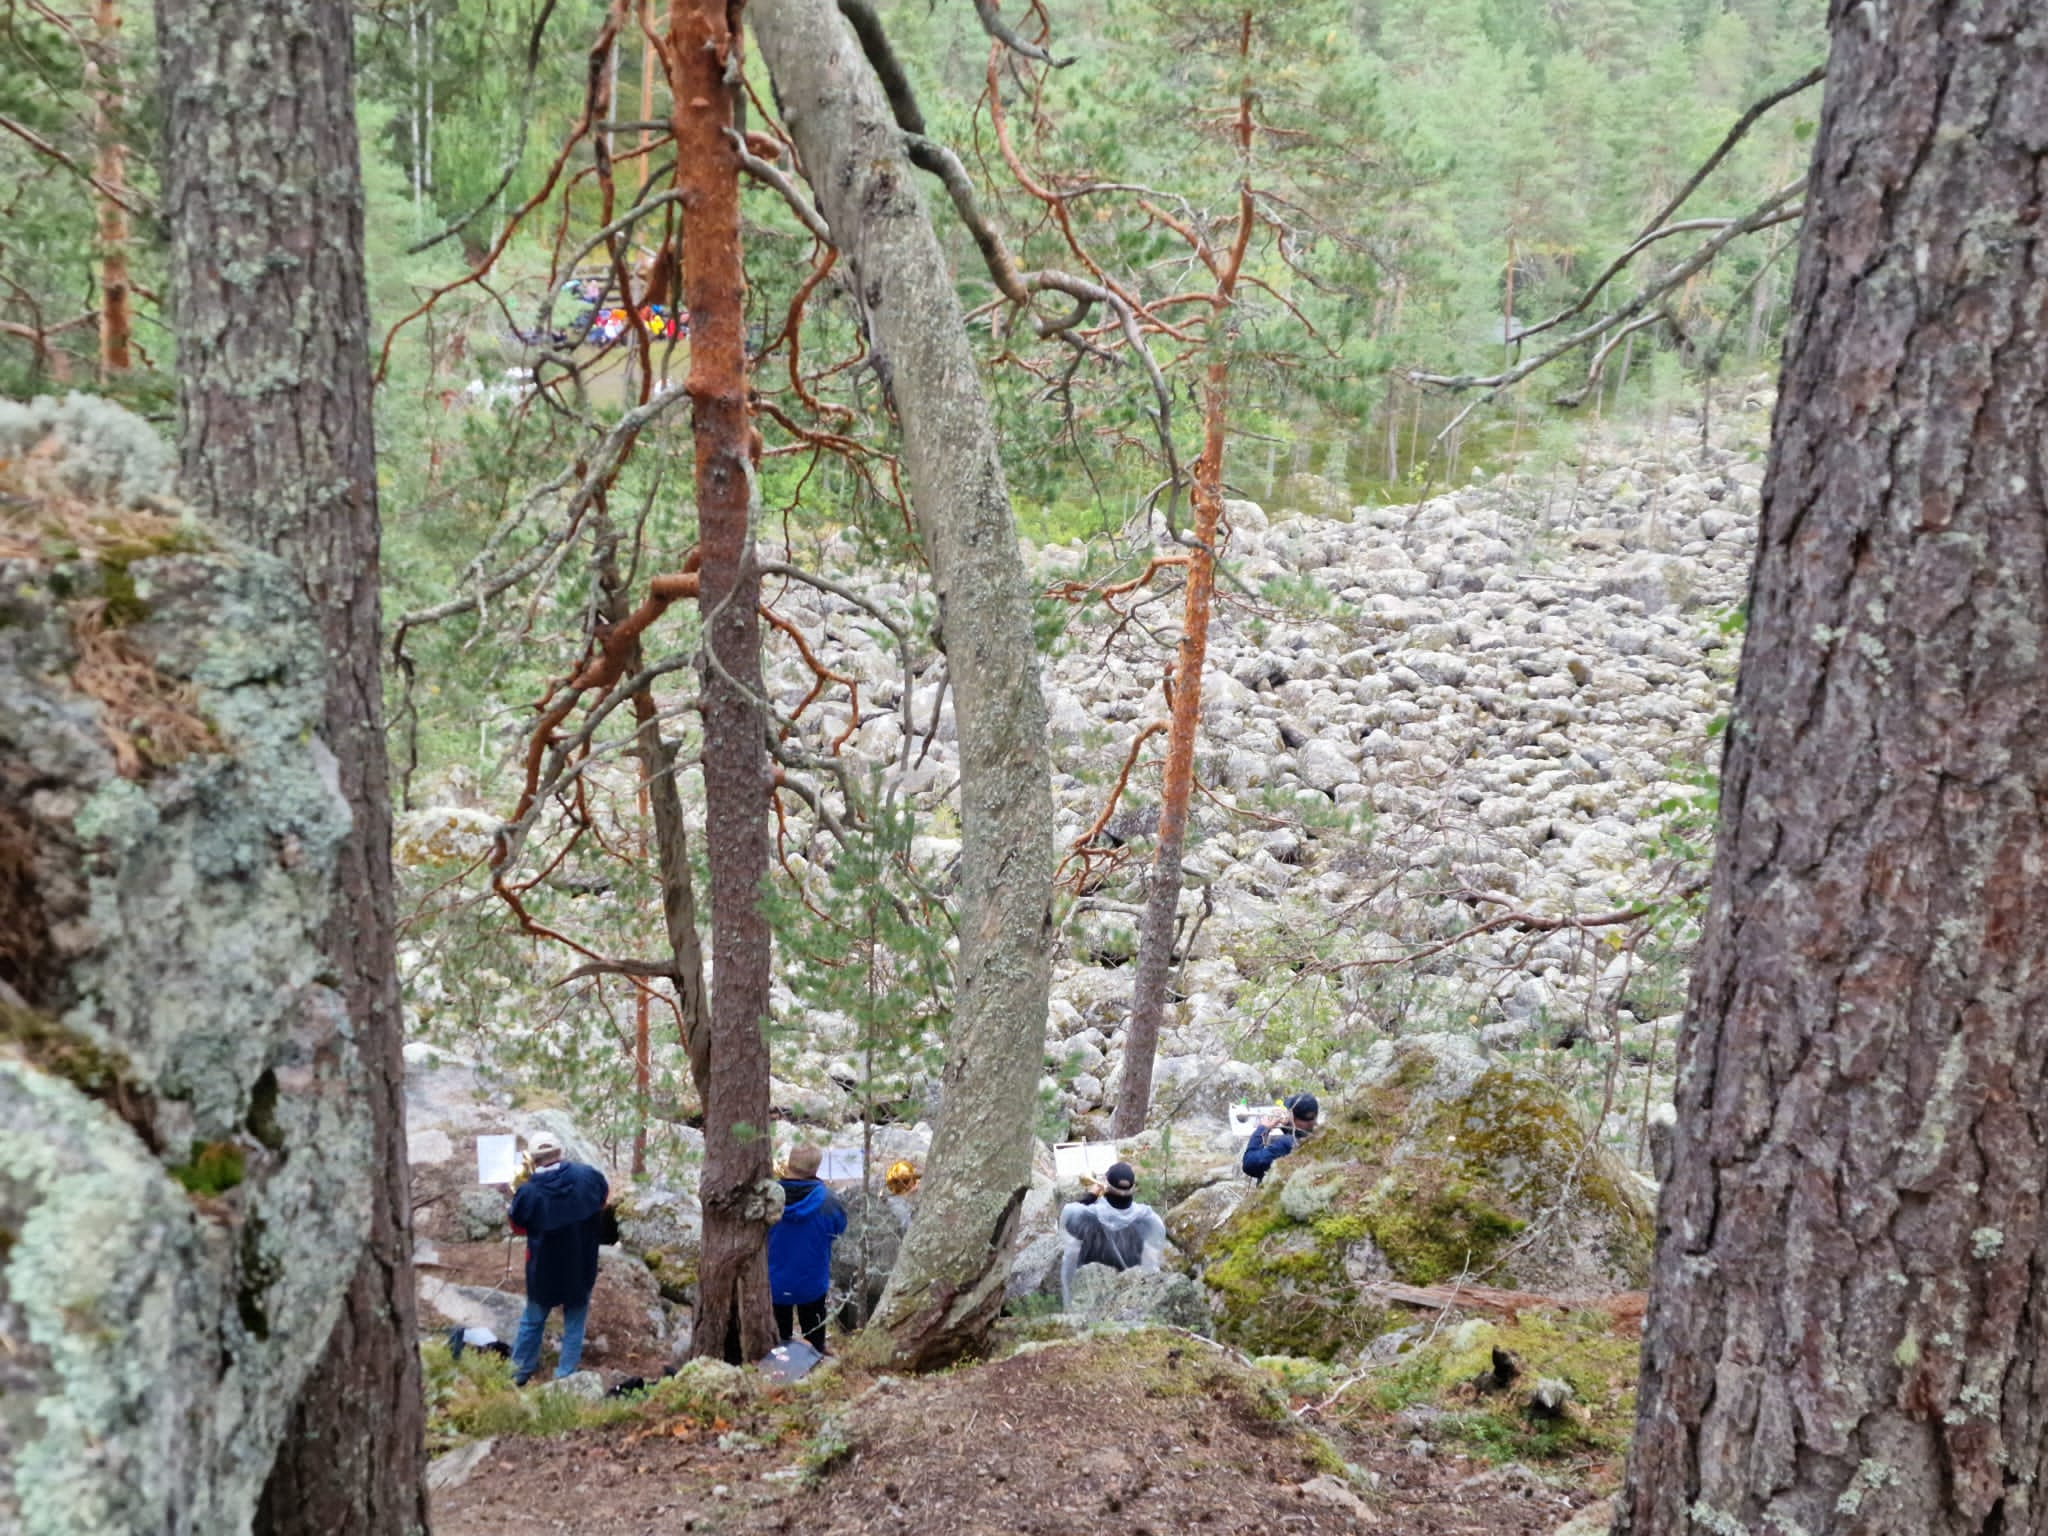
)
(1850, 1301)
(110, 167)
(263, 200)
(734, 1315)
(948, 1284)
(1177, 782)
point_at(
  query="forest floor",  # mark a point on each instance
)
(1152, 1433)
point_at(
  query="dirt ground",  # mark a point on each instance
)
(1155, 1434)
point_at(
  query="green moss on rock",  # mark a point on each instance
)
(1583, 1349)
(1441, 1165)
(94, 1069)
(214, 1168)
(1431, 1232)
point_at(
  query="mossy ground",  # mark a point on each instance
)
(471, 1397)
(1425, 1190)
(1584, 1349)
(1116, 1431)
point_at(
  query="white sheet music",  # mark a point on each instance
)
(1245, 1118)
(497, 1159)
(1072, 1159)
(840, 1163)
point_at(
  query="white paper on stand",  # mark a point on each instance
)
(497, 1159)
(1073, 1159)
(840, 1163)
(1245, 1118)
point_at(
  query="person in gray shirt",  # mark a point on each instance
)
(1110, 1226)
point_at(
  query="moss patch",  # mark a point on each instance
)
(1431, 1232)
(1583, 1349)
(1422, 1188)
(27, 959)
(98, 1071)
(214, 1168)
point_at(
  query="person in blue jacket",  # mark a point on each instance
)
(560, 1209)
(800, 1249)
(1280, 1134)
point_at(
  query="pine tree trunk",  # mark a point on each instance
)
(733, 1309)
(1191, 659)
(1162, 895)
(1850, 1300)
(263, 200)
(948, 1283)
(110, 168)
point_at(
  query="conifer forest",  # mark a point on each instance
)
(1023, 767)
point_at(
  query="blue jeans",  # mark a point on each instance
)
(526, 1349)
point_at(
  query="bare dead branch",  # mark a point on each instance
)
(874, 42)
(993, 24)
(771, 176)
(1771, 211)
(1742, 126)
(652, 970)
(1606, 349)
(598, 471)
(42, 146)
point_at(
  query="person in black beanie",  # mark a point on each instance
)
(1280, 1134)
(1109, 1225)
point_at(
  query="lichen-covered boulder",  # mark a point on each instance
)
(184, 1140)
(866, 1252)
(1138, 1296)
(664, 1229)
(1440, 1164)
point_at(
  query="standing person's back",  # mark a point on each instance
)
(1112, 1228)
(800, 1249)
(560, 1209)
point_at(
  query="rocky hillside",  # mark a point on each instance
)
(1455, 784)
(1445, 747)
(1419, 721)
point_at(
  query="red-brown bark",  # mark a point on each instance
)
(1849, 1307)
(733, 1311)
(110, 166)
(1191, 655)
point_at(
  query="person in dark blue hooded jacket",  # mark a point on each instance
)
(1280, 1134)
(800, 1249)
(560, 1209)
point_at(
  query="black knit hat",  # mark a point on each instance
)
(1122, 1178)
(1303, 1106)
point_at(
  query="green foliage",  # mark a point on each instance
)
(473, 1397)
(214, 1168)
(869, 941)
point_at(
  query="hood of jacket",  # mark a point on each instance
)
(1113, 1219)
(801, 1198)
(560, 1196)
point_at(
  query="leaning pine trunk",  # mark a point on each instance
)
(1849, 1310)
(733, 1308)
(948, 1284)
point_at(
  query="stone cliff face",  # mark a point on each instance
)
(181, 1140)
